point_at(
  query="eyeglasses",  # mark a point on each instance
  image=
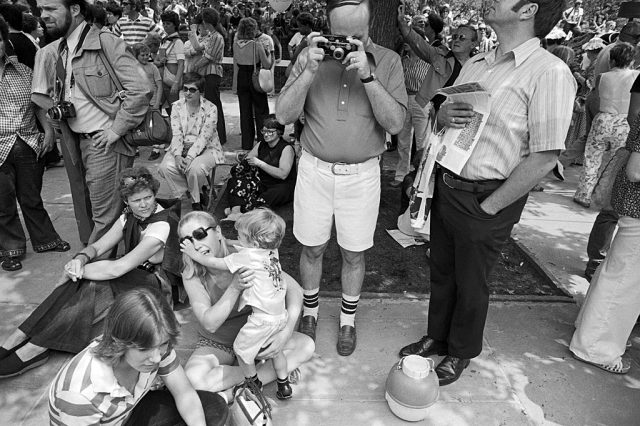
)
(460, 37)
(198, 234)
(189, 89)
(268, 131)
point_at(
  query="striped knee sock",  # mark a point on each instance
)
(310, 306)
(348, 311)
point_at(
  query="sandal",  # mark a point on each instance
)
(11, 264)
(621, 367)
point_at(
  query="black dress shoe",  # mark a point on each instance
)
(308, 326)
(450, 369)
(424, 347)
(346, 340)
(6, 352)
(13, 365)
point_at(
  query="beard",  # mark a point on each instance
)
(61, 31)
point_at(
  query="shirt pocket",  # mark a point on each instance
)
(99, 82)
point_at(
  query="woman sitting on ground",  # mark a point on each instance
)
(274, 161)
(73, 314)
(214, 297)
(195, 148)
(137, 346)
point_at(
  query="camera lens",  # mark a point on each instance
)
(338, 54)
(55, 113)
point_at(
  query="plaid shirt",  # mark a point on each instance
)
(17, 112)
(213, 44)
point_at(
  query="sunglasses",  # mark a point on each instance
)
(197, 234)
(268, 131)
(189, 89)
(460, 37)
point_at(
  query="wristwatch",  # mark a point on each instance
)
(369, 79)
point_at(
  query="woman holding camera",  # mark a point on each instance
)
(72, 315)
(248, 55)
(22, 148)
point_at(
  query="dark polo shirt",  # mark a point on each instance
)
(339, 121)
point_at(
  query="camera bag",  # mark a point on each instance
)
(155, 128)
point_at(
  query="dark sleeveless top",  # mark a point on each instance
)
(271, 156)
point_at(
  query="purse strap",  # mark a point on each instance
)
(254, 56)
(110, 70)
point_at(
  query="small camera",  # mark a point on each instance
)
(337, 46)
(62, 110)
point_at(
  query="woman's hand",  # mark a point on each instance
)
(74, 270)
(255, 161)
(175, 88)
(189, 249)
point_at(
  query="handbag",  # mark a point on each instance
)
(155, 129)
(261, 78)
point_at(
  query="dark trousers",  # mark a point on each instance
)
(465, 244)
(254, 107)
(601, 235)
(212, 94)
(158, 408)
(21, 181)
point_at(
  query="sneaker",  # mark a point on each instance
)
(622, 366)
(284, 391)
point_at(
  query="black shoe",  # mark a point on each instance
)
(308, 326)
(13, 365)
(11, 264)
(592, 266)
(284, 390)
(154, 155)
(450, 369)
(196, 207)
(424, 347)
(346, 340)
(6, 352)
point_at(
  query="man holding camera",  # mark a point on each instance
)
(90, 112)
(351, 91)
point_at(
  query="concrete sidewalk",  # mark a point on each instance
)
(525, 374)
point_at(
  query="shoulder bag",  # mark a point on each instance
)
(155, 128)
(261, 78)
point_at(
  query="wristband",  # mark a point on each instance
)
(82, 254)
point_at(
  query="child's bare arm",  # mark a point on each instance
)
(187, 248)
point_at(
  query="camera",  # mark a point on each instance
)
(62, 110)
(337, 46)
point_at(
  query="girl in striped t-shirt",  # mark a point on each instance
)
(108, 383)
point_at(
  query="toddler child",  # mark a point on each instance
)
(260, 233)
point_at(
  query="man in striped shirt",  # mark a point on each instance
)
(134, 27)
(472, 215)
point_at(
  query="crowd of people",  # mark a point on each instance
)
(89, 80)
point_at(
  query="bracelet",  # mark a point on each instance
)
(82, 254)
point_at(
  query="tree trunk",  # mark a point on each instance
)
(384, 27)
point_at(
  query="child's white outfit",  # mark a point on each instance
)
(267, 295)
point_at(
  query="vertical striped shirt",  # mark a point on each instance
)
(86, 390)
(213, 45)
(135, 30)
(532, 94)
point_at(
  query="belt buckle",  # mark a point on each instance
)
(340, 168)
(444, 179)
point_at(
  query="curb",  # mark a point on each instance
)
(424, 297)
(541, 268)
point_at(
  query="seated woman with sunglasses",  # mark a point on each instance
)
(111, 381)
(195, 148)
(214, 297)
(273, 179)
(73, 314)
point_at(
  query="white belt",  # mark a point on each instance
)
(341, 168)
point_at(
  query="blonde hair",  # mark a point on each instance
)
(192, 268)
(263, 227)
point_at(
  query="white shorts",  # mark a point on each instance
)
(353, 199)
(253, 335)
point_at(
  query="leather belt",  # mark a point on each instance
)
(456, 182)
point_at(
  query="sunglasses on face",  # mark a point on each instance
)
(268, 131)
(189, 89)
(460, 37)
(197, 234)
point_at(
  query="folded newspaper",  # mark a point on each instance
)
(458, 144)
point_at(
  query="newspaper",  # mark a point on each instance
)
(458, 144)
(405, 240)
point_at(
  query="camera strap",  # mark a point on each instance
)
(61, 64)
(121, 93)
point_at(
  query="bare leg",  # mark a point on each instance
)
(14, 339)
(280, 366)
(311, 266)
(248, 369)
(210, 368)
(29, 351)
(353, 269)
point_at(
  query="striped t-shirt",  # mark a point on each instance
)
(134, 31)
(86, 391)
